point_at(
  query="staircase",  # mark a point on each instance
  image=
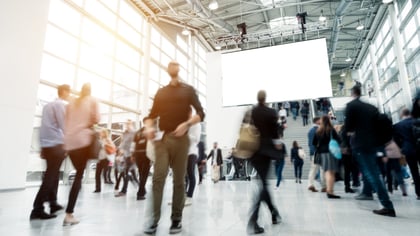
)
(295, 131)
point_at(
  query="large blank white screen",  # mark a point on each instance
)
(287, 72)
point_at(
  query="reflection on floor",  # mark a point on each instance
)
(218, 209)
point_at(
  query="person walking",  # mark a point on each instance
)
(315, 164)
(329, 164)
(51, 136)
(171, 105)
(125, 145)
(194, 134)
(360, 122)
(297, 156)
(106, 154)
(142, 161)
(265, 119)
(279, 163)
(81, 115)
(216, 162)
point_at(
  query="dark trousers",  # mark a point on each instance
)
(190, 178)
(298, 164)
(201, 168)
(118, 177)
(107, 174)
(101, 166)
(367, 161)
(305, 119)
(79, 158)
(413, 162)
(261, 165)
(143, 164)
(394, 173)
(351, 171)
(54, 156)
(128, 170)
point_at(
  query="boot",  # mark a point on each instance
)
(254, 228)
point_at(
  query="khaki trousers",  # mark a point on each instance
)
(170, 152)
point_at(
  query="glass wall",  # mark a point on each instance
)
(408, 17)
(105, 43)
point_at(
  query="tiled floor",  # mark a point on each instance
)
(218, 209)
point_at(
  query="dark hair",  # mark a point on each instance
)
(315, 119)
(405, 112)
(261, 96)
(356, 90)
(325, 126)
(63, 88)
(295, 144)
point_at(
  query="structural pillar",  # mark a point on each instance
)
(375, 74)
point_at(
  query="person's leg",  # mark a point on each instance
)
(126, 175)
(161, 168)
(371, 174)
(79, 159)
(99, 167)
(295, 165)
(414, 169)
(330, 179)
(312, 172)
(143, 164)
(192, 159)
(178, 157)
(48, 190)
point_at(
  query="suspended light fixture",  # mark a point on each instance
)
(386, 1)
(185, 32)
(213, 5)
(348, 59)
(322, 18)
(218, 47)
(343, 74)
(359, 25)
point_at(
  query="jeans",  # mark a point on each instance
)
(367, 161)
(79, 158)
(54, 156)
(279, 170)
(190, 178)
(294, 113)
(298, 164)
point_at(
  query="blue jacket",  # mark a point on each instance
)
(403, 136)
(311, 135)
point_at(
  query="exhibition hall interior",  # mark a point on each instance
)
(307, 55)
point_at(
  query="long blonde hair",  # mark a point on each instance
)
(84, 92)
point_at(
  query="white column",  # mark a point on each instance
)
(375, 75)
(146, 69)
(22, 29)
(403, 74)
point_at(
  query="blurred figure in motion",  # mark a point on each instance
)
(265, 119)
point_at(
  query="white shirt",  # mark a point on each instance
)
(194, 134)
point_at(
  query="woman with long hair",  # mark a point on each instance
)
(297, 161)
(328, 162)
(106, 154)
(81, 115)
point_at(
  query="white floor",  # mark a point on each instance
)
(218, 209)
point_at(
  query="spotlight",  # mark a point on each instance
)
(213, 5)
(343, 74)
(386, 1)
(359, 25)
(218, 47)
(322, 18)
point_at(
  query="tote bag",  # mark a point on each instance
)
(392, 150)
(249, 138)
(334, 147)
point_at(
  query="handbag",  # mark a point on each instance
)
(95, 145)
(334, 147)
(110, 149)
(301, 153)
(392, 150)
(249, 138)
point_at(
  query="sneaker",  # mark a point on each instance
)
(363, 197)
(55, 208)
(385, 212)
(176, 227)
(70, 220)
(151, 229)
(188, 201)
(41, 216)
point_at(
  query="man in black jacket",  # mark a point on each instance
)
(216, 153)
(360, 121)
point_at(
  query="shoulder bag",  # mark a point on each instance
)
(334, 147)
(249, 138)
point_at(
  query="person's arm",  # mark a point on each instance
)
(210, 154)
(182, 128)
(60, 114)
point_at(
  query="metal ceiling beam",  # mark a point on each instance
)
(212, 18)
(341, 9)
